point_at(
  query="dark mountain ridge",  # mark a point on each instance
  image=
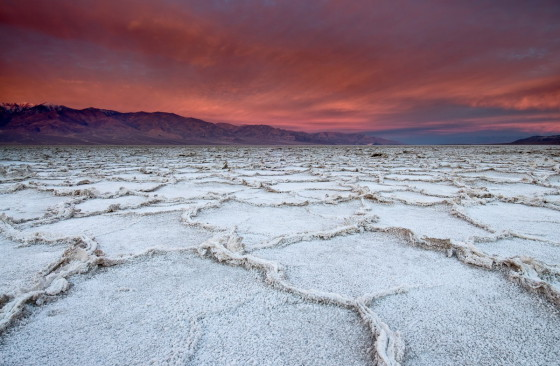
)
(538, 140)
(55, 124)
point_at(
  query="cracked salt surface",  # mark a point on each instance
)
(279, 255)
(514, 247)
(20, 264)
(100, 205)
(177, 309)
(516, 189)
(534, 222)
(28, 204)
(433, 221)
(412, 198)
(474, 320)
(449, 309)
(192, 190)
(120, 235)
(264, 223)
(359, 264)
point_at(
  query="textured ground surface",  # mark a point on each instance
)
(280, 255)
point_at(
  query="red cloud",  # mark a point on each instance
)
(313, 66)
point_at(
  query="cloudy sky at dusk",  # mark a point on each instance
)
(419, 71)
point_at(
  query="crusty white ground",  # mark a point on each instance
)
(178, 309)
(114, 256)
(20, 265)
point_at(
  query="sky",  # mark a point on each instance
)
(418, 71)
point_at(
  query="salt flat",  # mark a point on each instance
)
(280, 255)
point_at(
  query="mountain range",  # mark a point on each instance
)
(539, 140)
(55, 124)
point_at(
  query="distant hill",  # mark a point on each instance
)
(538, 140)
(55, 124)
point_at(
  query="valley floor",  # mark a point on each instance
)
(280, 255)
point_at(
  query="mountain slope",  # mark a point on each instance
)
(54, 124)
(538, 140)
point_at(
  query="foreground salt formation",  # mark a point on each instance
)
(280, 255)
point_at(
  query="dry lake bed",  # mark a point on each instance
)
(280, 255)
